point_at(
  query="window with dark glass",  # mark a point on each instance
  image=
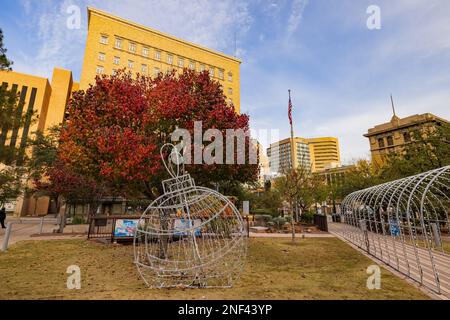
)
(407, 136)
(390, 141)
(381, 142)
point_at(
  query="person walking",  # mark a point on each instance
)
(3, 217)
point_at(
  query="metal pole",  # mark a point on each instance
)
(41, 225)
(7, 235)
(292, 169)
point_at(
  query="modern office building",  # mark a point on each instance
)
(114, 43)
(324, 153)
(316, 154)
(264, 169)
(394, 135)
(47, 100)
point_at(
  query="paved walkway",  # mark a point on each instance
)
(30, 231)
(289, 235)
(429, 268)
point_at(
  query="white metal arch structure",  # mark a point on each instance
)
(190, 237)
(404, 223)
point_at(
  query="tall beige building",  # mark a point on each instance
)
(324, 153)
(45, 98)
(114, 43)
(315, 153)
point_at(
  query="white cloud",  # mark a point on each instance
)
(213, 24)
(298, 7)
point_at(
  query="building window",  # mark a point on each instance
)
(170, 59)
(130, 64)
(116, 61)
(114, 72)
(157, 55)
(180, 62)
(118, 43)
(145, 51)
(156, 72)
(390, 141)
(230, 77)
(230, 91)
(211, 71)
(407, 137)
(381, 142)
(100, 70)
(220, 74)
(103, 39)
(192, 65)
(202, 67)
(132, 47)
(144, 68)
(101, 56)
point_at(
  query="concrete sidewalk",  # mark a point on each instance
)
(28, 231)
(289, 235)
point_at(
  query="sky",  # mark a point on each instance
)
(340, 72)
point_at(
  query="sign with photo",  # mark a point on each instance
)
(10, 206)
(125, 228)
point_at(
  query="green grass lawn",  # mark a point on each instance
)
(275, 269)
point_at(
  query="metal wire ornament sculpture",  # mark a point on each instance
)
(191, 236)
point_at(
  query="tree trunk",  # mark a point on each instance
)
(62, 223)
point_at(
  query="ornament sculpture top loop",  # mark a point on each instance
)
(190, 236)
(175, 158)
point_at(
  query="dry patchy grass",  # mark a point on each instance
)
(275, 269)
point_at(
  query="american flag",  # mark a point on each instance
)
(290, 108)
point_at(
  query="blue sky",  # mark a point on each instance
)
(340, 72)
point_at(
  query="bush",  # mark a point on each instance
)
(263, 219)
(77, 219)
(264, 212)
(307, 217)
(279, 222)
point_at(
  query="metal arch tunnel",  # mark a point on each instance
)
(404, 223)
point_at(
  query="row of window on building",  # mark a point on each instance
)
(170, 58)
(144, 69)
(390, 140)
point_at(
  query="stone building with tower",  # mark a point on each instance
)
(392, 136)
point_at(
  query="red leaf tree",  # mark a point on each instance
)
(116, 127)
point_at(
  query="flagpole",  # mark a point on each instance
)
(292, 137)
(292, 162)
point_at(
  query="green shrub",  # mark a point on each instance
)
(263, 219)
(279, 222)
(265, 212)
(77, 219)
(307, 217)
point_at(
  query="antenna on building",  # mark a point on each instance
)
(393, 107)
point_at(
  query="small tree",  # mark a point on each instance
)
(9, 184)
(364, 174)
(429, 149)
(5, 64)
